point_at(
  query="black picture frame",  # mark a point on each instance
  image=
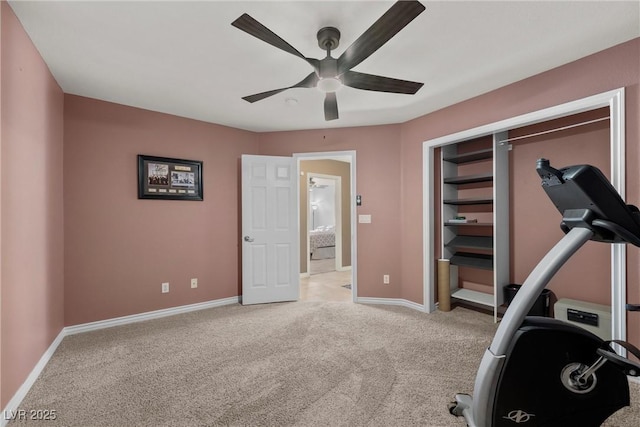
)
(166, 178)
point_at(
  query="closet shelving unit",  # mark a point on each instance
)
(475, 184)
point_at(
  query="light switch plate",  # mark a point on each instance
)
(364, 219)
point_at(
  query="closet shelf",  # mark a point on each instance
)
(468, 259)
(474, 184)
(469, 179)
(471, 242)
(473, 296)
(470, 157)
(470, 201)
(468, 224)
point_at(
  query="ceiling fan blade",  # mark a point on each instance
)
(310, 81)
(249, 25)
(330, 106)
(263, 95)
(379, 83)
(389, 24)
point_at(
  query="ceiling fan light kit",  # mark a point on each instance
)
(329, 84)
(330, 74)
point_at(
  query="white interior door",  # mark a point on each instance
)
(270, 244)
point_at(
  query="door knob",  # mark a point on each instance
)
(248, 239)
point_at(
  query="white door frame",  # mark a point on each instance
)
(349, 156)
(338, 216)
(613, 99)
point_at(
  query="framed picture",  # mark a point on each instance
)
(166, 178)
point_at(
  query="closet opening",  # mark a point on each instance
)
(585, 131)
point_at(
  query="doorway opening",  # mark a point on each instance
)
(324, 223)
(327, 229)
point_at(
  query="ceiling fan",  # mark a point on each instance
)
(329, 74)
(314, 184)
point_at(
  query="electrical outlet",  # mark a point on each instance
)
(194, 283)
(165, 287)
(385, 279)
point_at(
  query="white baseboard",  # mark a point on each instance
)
(392, 301)
(156, 314)
(14, 404)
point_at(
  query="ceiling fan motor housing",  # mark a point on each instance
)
(328, 38)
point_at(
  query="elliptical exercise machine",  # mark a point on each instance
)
(544, 372)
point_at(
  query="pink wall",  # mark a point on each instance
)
(607, 70)
(31, 205)
(119, 249)
(377, 180)
(535, 220)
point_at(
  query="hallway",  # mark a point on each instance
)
(327, 286)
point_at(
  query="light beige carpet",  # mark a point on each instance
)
(287, 364)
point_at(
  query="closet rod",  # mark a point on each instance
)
(544, 132)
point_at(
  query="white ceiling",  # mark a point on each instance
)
(185, 58)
